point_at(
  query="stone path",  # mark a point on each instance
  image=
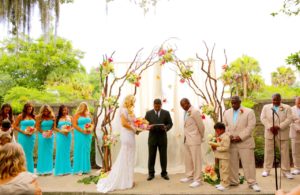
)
(65, 185)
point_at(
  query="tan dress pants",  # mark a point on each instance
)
(193, 162)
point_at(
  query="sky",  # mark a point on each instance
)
(238, 26)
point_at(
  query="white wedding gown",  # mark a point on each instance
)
(121, 174)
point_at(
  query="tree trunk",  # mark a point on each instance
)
(245, 85)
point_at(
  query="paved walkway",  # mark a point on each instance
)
(65, 185)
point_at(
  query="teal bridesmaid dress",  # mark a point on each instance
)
(63, 149)
(45, 149)
(82, 148)
(27, 142)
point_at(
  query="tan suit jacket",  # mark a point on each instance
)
(222, 151)
(193, 127)
(295, 125)
(284, 121)
(243, 127)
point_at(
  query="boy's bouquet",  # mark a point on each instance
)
(213, 140)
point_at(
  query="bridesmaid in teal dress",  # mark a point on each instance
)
(24, 124)
(45, 123)
(82, 140)
(63, 142)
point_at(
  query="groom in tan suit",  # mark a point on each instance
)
(193, 135)
(295, 136)
(283, 119)
(240, 122)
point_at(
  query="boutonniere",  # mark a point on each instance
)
(219, 139)
(203, 116)
(189, 113)
(241, 111)
(281, 108)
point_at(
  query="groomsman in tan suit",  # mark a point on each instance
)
(295, 136)
(193, 135)
(283, 119)
(240, 122)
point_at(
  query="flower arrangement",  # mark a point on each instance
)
(30, 130)
(140, 124)
(208, 109)
(66, 128)
(185, 72)
(210, 175)
(165, 55)
(47, 134)
(110, 139)
(111, 102)
(133, 78)
(88, 127)
(281, 108)
(107, 66)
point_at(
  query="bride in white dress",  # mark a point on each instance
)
(121, 174)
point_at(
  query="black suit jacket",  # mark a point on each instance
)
(157, 134)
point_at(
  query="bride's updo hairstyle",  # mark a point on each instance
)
(129, 104)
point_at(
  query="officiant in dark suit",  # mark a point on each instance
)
(160, 122)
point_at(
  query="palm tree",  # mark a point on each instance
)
(284, 76)
(245, 66)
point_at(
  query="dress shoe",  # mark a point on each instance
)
(150, 177)
(195, 184)
(185, 180)
(265, 174)
(296, 172)
(288, 175)
(166, 177)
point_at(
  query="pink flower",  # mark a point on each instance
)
(225, 66)
(163, 61)
(110, 60)
(182, 80)
(164, 100)
(161, 52)
(203, 116)
(97, 69)
(137, 84)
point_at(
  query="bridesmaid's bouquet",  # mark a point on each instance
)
(88, 127)
(141, 124)
(66, 128)
(30, 130)
(47, 134)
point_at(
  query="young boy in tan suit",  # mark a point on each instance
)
(221, 151)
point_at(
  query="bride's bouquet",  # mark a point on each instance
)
(88, 127)
(66, 128)
(47, 134)
(141, 124)
(30, 130)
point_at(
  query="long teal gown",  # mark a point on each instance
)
(45, 149)
(63, 149)
(27, 142)
(82, 148)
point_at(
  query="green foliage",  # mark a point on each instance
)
(18, 96)
(289, 7)
(259, 151)
(284, 76)
(92, 179)
(94, 80)
(242, 76)
(31, 62)
(285, 91)
(294, 59)
(248, 103)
